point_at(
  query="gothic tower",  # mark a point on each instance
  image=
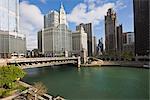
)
(62, 15)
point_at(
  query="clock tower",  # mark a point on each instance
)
(62, 15)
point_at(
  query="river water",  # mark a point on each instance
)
(93, 83)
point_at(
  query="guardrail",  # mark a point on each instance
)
(19, 60)
(40, 62)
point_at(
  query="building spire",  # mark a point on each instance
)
(62, 7)
(62, 15)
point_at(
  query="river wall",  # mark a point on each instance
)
(118, 63)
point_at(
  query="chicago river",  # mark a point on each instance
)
(92, 82)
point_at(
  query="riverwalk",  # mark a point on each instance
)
(30, 90)
(101, 63)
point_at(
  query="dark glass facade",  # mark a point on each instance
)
(141, 27)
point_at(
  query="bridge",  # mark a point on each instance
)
(45, 61)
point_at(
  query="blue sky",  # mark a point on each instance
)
(31, 12)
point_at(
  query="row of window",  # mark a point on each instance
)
(8, 21)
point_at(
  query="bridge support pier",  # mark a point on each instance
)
(79, 62)
(83, 56)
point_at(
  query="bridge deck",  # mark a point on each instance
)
(19, 60)
(41, 62)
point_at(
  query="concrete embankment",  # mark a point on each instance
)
(118, 63)
(49, 97)
(3, 62)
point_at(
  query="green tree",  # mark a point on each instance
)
(9, 74)
(127, 55)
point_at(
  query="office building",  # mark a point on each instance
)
(40, 41)
(55, 38)
(119, 39)
(88, 30)
(11, 39)
(110, 32)
(142, 27)
(100, 47)
(79, 41)
(51, 19)
(128, 42)
(94, 44)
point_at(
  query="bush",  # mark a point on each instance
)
(9, 74)
(8, 77)
(127, 55)
(2, 91)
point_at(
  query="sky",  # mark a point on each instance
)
(78, 11)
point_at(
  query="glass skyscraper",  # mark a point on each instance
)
(142, 27)
(11, 40)
(9, 15)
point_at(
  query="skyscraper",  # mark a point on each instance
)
(119, 38)
(128, 42)
(51, 19)
(110, 32)
(11, 39)
(40, 41)
(100, 47)
(142, 27)
(79, 41)
(88, 30)
(94, 44)
(56, 37)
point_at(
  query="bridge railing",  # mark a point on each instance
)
(19, 60)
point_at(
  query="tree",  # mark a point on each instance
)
(9, 74)
(127, 55)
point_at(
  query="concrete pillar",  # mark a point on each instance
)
(79, 62)
(83, 56)
(66, 53)
(136, 58)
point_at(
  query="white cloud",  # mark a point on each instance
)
(43, 1)
(93, 11)
(120, 5)
(95, 1)
(31, 21)
(80, 14)
(91, 5)
(89, 11)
